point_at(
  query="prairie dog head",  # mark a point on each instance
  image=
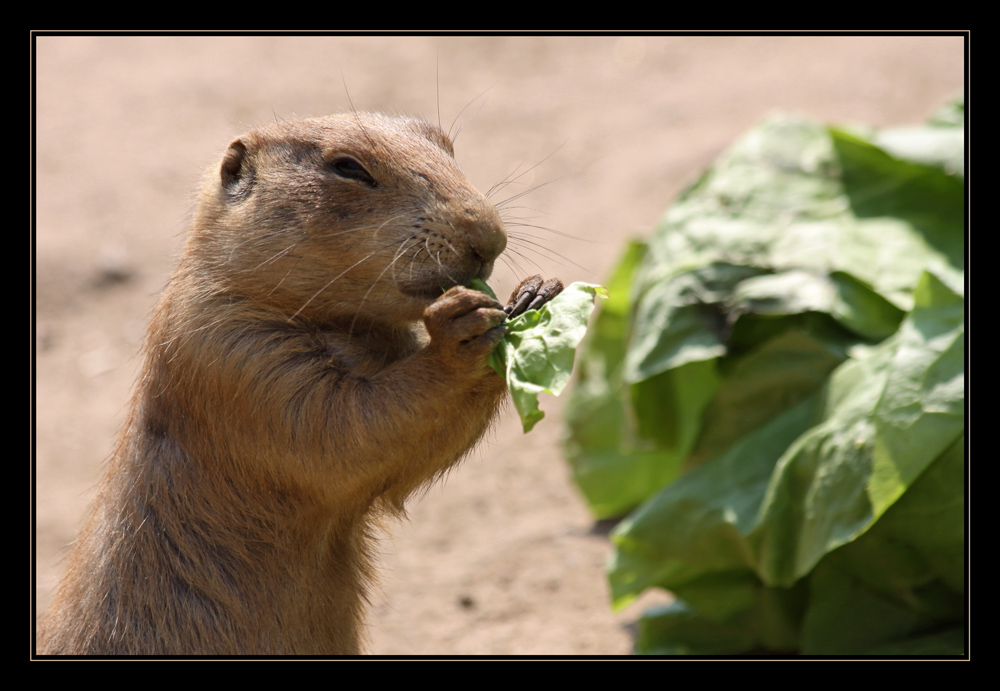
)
(327, 216)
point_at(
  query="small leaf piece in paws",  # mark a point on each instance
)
(539, 348)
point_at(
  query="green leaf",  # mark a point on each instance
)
(922, 408)
(903, 581)
(618, 457)
(677, 629)
(951, 114)
(760, 384)
(710, 512)
(887, 414)
(480, 285)
(536, 355)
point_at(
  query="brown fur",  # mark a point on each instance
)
(304, 374)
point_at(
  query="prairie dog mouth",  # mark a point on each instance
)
(434, 285)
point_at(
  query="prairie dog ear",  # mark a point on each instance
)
(236, 170)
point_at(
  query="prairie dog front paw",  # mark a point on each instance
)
(465, 323)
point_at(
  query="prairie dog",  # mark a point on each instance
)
(314, 359)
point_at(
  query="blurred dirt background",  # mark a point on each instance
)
(502, 558)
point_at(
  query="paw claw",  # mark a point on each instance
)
(532, 294)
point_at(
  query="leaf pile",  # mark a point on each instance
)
(776, 391)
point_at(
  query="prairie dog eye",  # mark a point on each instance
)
(350, 168)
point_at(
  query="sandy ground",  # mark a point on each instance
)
(503, 558)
